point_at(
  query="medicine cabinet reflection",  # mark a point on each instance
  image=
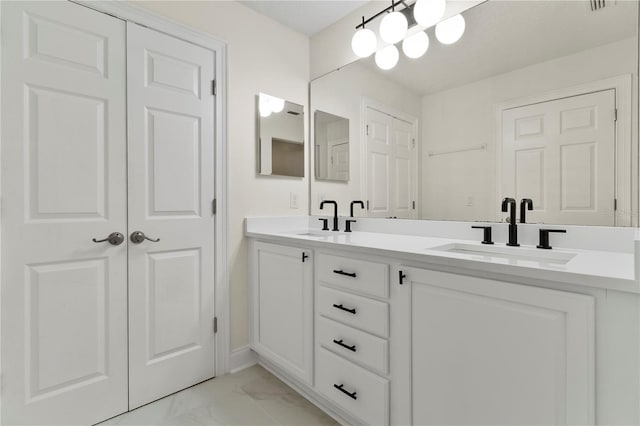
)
(280, 137)
(331, 147)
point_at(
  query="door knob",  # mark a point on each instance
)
(138, 236)
(114, 238)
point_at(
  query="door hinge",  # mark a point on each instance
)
(615, 204)
(413, 143)
(213, 88)
(215, 325)
(367, 129)
(367, 204)
(615, 114)
(214, 206)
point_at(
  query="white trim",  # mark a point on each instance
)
(625, 185)
(138, 15)
(242, 358)
(366, 103)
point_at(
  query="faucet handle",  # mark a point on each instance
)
(487, 234)
(325, 224)
(348, 223)
(544, 237)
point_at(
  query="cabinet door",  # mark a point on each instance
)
(491, 352)
(283, 307)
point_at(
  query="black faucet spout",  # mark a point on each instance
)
(525, 204)
(335, 212)
(509, 204)
(353, 203)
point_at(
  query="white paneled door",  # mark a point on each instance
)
(171, 190)
(107, 134)
(391, 166)
(64, 297)
(561, 154)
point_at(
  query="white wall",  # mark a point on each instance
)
(341, 93)
(263, 56)
(466, 116)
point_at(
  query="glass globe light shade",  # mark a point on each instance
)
(429, 12)
(450, 30)
(387, 58)
(264, 106)
(276, 104)
(393, 27)
(416, 45)
(364, 43)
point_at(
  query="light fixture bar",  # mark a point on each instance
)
(383, 11)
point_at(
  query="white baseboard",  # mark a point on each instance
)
(242, 358)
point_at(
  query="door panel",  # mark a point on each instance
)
(553, 152)
(64, 356)
(170, 188)
(391, 166)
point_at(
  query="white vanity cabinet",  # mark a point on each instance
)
(393, 341)
(492, 352)
(282, 310)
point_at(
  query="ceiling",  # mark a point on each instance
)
(305, 16)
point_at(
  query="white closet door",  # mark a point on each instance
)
(561, 153)
(64, 297)
(171, 189)
(379, 163)
(391, 166)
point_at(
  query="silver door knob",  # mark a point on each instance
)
(138, 236)
(114, 238)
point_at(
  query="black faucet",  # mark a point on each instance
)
(360, 203)
(513, 227)
(335, 212)
(348, 222)
(528, 203)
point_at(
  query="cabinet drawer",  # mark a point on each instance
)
(360, 312)
(361, 393)
(355, 345)
(354, 274)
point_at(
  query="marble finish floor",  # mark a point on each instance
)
(250, 397)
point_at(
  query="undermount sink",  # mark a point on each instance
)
(508, 253)
(319, 234)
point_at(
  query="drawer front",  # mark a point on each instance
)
(361, 393)
(354, 274)
(355, 345)
(360, 312)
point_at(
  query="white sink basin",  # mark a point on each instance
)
(491, 252)
(319, 234)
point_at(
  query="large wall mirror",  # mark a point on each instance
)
(280, 137)
(537, 100)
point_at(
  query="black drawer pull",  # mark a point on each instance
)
(342, 308)
(349, 394)
(341, 272)
(340, 343)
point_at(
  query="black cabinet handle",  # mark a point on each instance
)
(304, 256)
(342, 308)
(401, 277)
(340, 387)
(340, 343)
(341, 272)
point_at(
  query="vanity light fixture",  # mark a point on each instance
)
(364, 42)
(429, 12)
(395, 28)
(416, 45)
(450, 30)
(387, 58)
(268, 104)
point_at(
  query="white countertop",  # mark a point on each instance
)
(599, 269)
